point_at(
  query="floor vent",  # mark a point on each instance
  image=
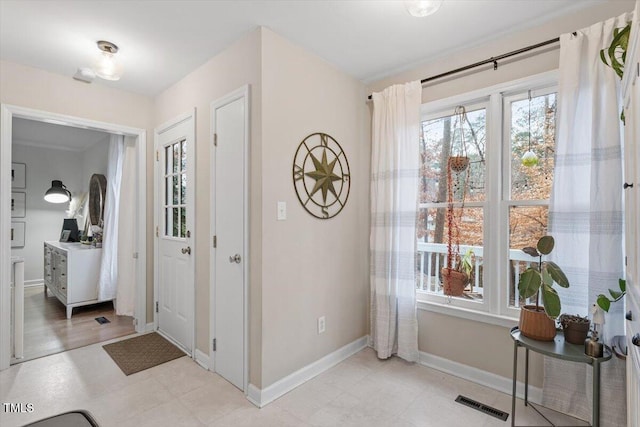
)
(102, 320)
(482, 408)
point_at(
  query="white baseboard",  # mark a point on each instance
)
(262, 397)
(35, 282)
(479, 376)
(149, 327)
(202, 359)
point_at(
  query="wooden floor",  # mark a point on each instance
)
(47, 329)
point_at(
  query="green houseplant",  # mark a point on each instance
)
(604, 302)
(537, 321)
(458, 277)
(616, 54)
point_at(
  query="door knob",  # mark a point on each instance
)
(629, 315)
(636, 340)
(625, 186)
(236, 258)
(186, 250)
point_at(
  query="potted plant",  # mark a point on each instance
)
(537, 321)
(575, 328)
(454, 278)
(604, 302)
(615, 55)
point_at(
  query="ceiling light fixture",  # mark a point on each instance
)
(107, 66)
(422, 8)
(58, 193)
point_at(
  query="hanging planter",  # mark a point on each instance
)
(458, 163)
(454, 278)
(458, 159)
(529, 159)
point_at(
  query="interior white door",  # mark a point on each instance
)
(175, 267)
(229, 124)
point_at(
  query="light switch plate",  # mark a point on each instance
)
(282, 211)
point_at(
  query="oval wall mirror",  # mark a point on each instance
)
(97, 192)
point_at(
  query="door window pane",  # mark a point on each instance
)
(176, 156)
(183, 160)
(175, 191)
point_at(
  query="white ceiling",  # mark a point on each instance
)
(50, 135)
(162, 41)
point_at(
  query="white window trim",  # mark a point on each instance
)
(496, 208)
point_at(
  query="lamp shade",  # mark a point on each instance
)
(58, 193)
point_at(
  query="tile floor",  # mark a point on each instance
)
(361, 391)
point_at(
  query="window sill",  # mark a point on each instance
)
(465, 313)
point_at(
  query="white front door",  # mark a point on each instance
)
(229, 226)
(174, 263)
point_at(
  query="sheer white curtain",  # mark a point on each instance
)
(394, 199)
(125, 293)
(586, 216)
(107, 283)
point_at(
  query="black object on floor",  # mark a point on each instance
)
(78, 418)
(102, 320)
(482, 408)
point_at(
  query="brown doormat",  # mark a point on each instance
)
(143, 352)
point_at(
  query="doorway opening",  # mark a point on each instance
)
(57, 301)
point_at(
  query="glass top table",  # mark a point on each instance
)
(558, 349)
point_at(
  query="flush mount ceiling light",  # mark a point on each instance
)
(422, 8)
(58, 193)
(107, 66)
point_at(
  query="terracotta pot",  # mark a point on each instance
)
(453, 282)
(576, 332)
(458, 163)
(536, 324)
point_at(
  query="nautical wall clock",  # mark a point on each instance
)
(321, 175)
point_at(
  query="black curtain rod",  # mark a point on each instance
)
(493, 59)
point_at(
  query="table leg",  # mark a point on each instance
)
(595, 422)
(526, 377)
(513, 392)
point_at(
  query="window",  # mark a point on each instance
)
(505, 202)
(175, 189)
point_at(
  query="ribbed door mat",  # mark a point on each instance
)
(143, 352)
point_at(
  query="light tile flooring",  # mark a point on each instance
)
(361, 391)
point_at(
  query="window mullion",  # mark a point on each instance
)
(492, 218)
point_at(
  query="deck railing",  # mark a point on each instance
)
(433, 256)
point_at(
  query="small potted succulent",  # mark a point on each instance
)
(575, 328)
(537, 321)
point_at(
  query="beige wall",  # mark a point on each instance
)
(301, 268)
(234, 67)
(311, 267)
(37, 89)
(479, 345)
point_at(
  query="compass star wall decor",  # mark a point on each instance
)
(321, 175)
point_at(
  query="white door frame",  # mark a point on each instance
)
(157, 217)
(8, 112)
(240, 93)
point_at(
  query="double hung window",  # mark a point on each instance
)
(499, 203)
